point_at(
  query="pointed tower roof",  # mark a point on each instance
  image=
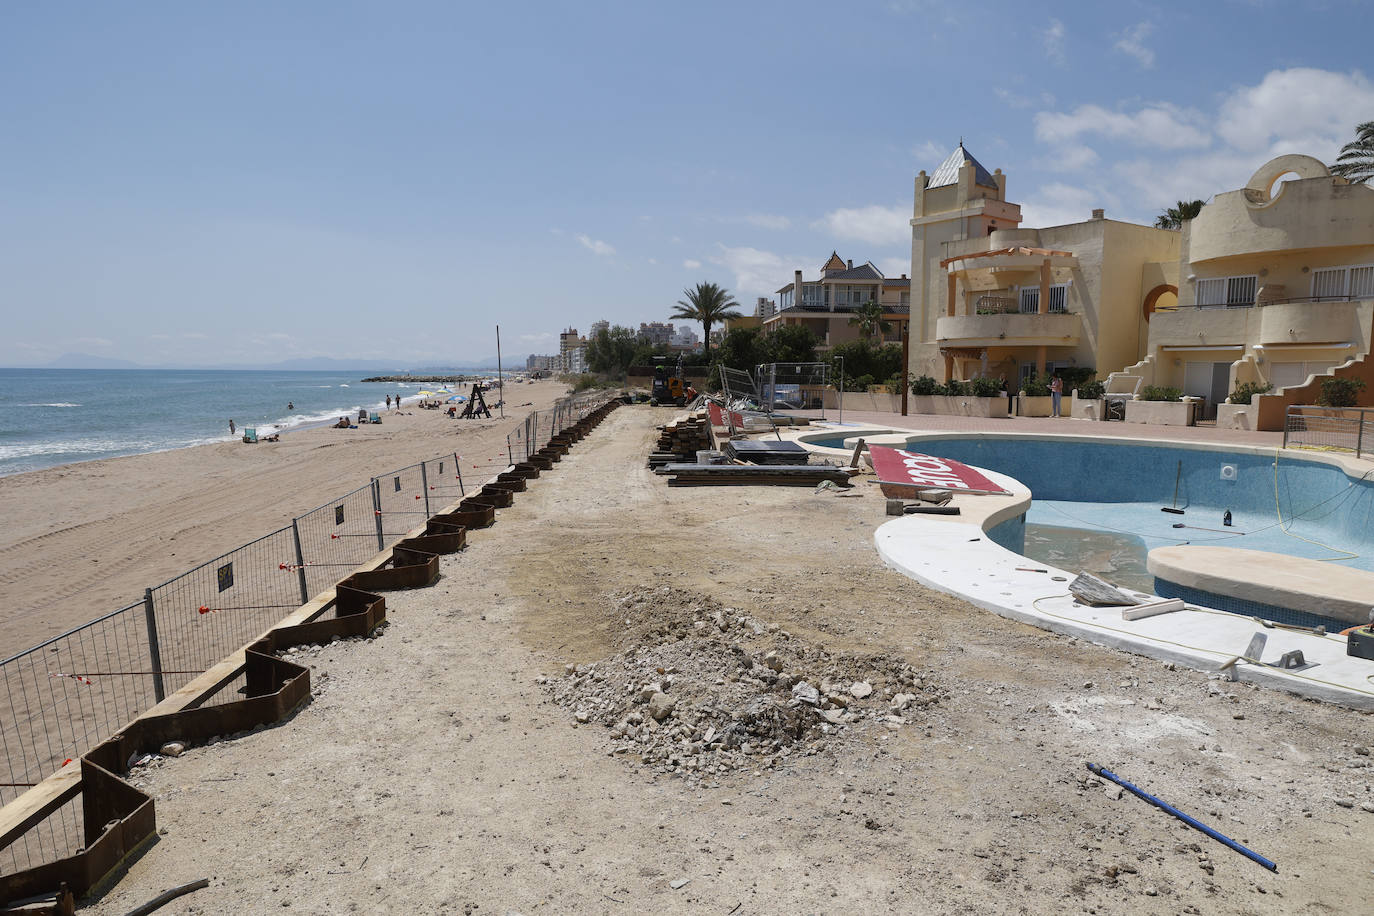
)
(835, 263)
(947, 172)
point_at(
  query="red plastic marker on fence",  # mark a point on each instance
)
(76, 677)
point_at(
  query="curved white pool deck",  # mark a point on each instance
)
(954, 554)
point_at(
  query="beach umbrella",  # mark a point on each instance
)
(426, 394)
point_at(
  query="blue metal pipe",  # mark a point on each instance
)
(1190, 821)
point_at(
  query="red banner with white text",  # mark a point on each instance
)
(926, 472)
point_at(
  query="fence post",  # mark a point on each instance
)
(1286, 414)
(377, 513)
(300, 560)
(1359, 436)
(458, 466)
(154, 650)
(424, 486)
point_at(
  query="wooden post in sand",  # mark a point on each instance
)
(154, 650)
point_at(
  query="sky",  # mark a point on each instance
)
(249, 182)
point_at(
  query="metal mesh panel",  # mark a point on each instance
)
(443, 481)
(57, 836)
(205, 614)
(793, 386)
(337, 537)
(1336, 428)
(402, 500)
(66, 695)
(740, 390)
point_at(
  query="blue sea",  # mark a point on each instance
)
(50, 417)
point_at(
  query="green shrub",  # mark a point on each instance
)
(1091, 391)
(924, 385)
(862, 383)
(984, 387)
(1160, 393)
(1036, 386)
(954, 388)
(1244, 392)
(1075, 376)
(585, 381)
(1341, 392)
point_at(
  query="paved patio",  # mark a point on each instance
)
(1061, 426)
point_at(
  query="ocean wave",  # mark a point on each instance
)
(58, 404)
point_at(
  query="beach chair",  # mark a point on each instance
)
(250, 436)
(362, 416)
(374, 418)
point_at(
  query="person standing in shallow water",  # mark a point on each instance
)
(231, 427)
(1056, 394)
(388, 402)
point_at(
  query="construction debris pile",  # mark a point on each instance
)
(680, 440)
(701, 690)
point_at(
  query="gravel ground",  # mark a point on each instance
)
(583, 716)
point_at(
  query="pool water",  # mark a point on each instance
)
(1115, 557)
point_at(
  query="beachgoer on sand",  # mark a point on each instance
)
(388, 402)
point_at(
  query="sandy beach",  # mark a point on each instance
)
(84, 539)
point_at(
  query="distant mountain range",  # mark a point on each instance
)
(307, 364)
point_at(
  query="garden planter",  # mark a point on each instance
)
(963, 406)
(1161, 413)
(1034, 406)
(1087, 408)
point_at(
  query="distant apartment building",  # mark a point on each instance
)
(541, 363)
(597, 328)
(765, 308)
(684, 338)
(827, 305)
(656, 333)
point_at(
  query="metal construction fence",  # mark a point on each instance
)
(793, 386)
(70, 692)
(542, 425)
(1338, 428)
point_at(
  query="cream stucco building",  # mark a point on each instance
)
(990, 298)
(826, 304)
(1277, 287)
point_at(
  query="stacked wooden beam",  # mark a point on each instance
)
(680, 440)
(745, 475)
(767, 451)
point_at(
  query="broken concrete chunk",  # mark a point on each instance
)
(860, 689)
(806, 693)
(661, 706)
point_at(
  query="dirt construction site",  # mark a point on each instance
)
(630, 698)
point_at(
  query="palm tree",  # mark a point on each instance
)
(1356, 161)
(1174, 217)
(869, 319)
(709, 304)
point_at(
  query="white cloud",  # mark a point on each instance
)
(1158, 124)
(756, 272)
(1053, 39)
(929, 153)
(1297, 110)
(595, 246)
(96, 342)
(768, 221)
(546, 337)
(874, 224)
(1057, 204)
(894, 267)
(1015, 100)
(653, 260)
(1073, 157)
(195, 335)
(692, 264)
(1132, 42)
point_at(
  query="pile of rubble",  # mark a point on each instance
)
(701, 690)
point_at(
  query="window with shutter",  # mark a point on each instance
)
(1328, 284)
(1058, 299)
(1240, 292)
(1030, 300)
(1211, 292)
(1362, 283)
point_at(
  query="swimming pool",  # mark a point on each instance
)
(1096, 503)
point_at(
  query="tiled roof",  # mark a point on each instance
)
(947, 172)
(862, 272)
